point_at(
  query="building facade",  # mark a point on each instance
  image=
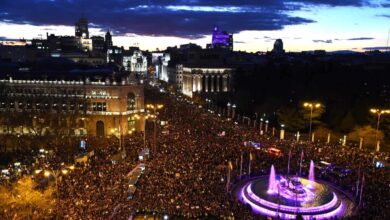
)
(203, 80)
(135, 63)
(160, 62)
(97, 108)
(221, 39)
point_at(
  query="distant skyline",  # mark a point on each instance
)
(150, 24)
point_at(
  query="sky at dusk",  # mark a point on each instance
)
(301, 24)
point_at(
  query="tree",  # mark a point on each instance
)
(348, 123)
(29, 203)
(322, 133)
(366, 132)
(292, 118)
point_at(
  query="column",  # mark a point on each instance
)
(212, 83)
(200, 85)
(206, 83)
(224, 83)
(228, 82)
(185, 86)
(194, 85)
(217, 84)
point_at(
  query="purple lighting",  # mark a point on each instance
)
(221, 39)
(332, 208)
(287, 196)
(269, 212)
(311, 171)
(272, 181)
(311, 175)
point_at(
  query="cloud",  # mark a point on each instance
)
(323, 41)
(385, 5)
(335, 2)
(377, 48)
(362, 38)
(356, 39)
(239, 42)
(386, 16)
(2, 38)
(181, 18)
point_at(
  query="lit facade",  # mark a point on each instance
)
(203, 80)
(221, 39)
(86, 44)
(136, 63)
(97, 108)
(160, 62)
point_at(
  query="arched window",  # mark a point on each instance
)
(130, 101)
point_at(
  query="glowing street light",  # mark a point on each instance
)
(311, 106)
(378, 112)
(46, 173)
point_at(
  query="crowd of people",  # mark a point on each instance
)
(187, 175)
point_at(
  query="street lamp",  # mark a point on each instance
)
(378, 112)
(155, 107)
(234, 111)
(228, 109)
(311, 106)
(282, 132)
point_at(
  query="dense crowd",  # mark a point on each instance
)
(188, 172)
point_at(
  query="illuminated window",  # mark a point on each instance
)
(99, 106)
(130, 101)
(131, 123)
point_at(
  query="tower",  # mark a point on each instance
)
(278, 47)
(108, 39)
(81, 28)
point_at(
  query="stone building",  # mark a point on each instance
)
(86, 107)
(203, 79)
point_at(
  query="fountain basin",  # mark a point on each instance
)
(319, 201)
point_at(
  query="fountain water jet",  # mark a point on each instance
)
(311, 174)
(272, 181)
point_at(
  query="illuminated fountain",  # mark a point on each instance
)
(311, 174)
(272, 181)
(288, 196)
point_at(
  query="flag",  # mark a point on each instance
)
(230, 165)
(361, 191)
